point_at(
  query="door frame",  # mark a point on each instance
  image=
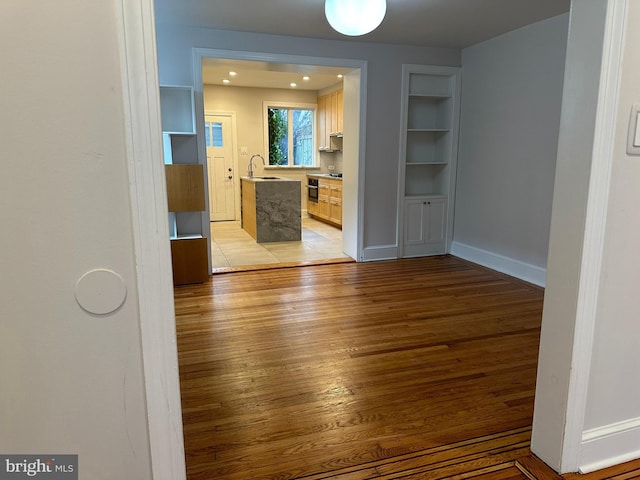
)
(234, 149)
(353, 202)
(136, 38)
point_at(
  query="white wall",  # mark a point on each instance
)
(582, 325)
(511, 96)
(71, 382)
(612, 420)
(383, 104)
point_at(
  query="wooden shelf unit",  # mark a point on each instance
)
(186, 194)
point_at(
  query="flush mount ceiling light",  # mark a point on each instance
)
(355, 17)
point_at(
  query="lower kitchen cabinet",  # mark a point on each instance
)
(329, 206)
(323, 207)
(312, 208)
(335, 202)
(424, 226)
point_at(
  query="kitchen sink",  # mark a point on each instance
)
(268, 178)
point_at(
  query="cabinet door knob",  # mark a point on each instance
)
(230, 177)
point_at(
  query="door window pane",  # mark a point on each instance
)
(216, 130)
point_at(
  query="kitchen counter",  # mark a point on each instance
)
(271, 210)
(267, 179)
(323, 175)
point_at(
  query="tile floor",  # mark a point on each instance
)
(231, 246)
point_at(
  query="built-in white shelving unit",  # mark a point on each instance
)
(428, 155)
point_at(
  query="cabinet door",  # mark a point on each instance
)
(322, 121)
(323, 206)
(312, 208)
(335, 210)
(333, 110)
(335, 201)
(340, 111)
(415, 217)
(436, 218)
(424, 226)
(324, 187)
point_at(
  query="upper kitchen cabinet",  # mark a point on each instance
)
(330, 121)
(428, 156)
(185, 186)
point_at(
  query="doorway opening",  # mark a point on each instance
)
(232, 89)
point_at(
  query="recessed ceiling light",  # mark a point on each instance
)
(306, 79)
(226, 81)
(233, 74)
(339, 75)
(293, 85)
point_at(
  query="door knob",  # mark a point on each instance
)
(230, 177)
(229, 168)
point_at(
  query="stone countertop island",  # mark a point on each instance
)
(271, 210)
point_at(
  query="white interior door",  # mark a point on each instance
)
(218, 138)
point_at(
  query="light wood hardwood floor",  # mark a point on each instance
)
(421, 368)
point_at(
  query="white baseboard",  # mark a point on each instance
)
(610, 445)
(510, 266)
(385, 252)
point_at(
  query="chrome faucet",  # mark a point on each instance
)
(250, 167)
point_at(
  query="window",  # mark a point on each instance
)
(213, 134)
(290, 134)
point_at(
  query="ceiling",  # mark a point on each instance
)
(439, 23)
(435, 23)
(269, 74)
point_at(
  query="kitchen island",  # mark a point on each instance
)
(271, 209)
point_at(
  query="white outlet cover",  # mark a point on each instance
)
(633, 136)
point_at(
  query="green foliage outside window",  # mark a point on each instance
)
(278, 136)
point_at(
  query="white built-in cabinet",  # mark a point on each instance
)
(185, 186)
(428, 155)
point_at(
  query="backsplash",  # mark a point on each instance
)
(334, 159)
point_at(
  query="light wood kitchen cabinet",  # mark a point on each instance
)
(323, 207)
(335, 201)
(340, 110)
(323, 135)
(312, 208)
(330, 121)
(329, 206)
